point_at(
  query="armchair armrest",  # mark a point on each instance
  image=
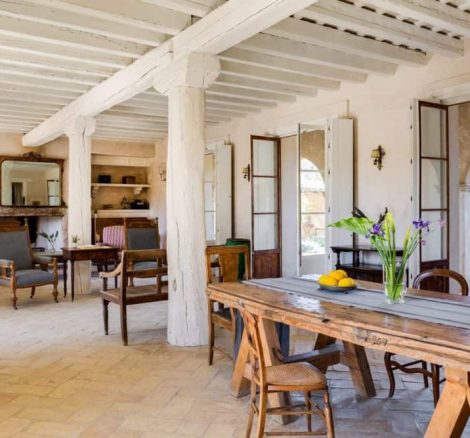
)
(7, 268)
(113, 274)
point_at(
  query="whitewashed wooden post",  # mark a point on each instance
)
(185, 83)
(79, 132)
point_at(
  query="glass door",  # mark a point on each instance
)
(265, 198)
(434, 188)
(312, 206)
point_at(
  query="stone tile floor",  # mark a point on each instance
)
(60, 376)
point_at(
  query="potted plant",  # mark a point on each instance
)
(75, 240)
(51, 238)
(381, 234)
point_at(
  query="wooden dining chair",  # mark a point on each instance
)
(128, 295)
(298, 377)
(222, 265)
(420, 366)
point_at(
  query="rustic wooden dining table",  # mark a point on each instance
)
(357, 329)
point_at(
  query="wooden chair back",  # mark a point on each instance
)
(257, 362)
(446, 273)
(228, 260)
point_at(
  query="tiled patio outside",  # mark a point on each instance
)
(60, 376)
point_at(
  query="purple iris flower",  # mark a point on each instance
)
(376, 230)
(421, 224)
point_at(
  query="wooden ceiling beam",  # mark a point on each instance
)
(292, 65)
(221, 29)
(244, 70)
(127, 12)
(46, 34)
(311, 33)
(198, 8)
(36, 11)
(41, 84)
(347, 16)
(274, 45)
(262, 84)
(270, 96)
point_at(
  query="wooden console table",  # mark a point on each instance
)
(358, 269)
(103, 254)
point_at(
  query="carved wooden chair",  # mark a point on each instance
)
(420, 366)
(128, 295)
(18, 263)
(300, 377)
(225, 262)
(139, 234)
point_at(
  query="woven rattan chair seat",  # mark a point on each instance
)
(300, 374)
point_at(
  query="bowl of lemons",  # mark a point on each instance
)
(336, 281)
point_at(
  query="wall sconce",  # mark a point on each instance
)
(162, 171)
(377, 155)
(246, 172)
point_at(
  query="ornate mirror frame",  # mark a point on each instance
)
(35, 158)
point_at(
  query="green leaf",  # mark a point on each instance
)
(358, 225)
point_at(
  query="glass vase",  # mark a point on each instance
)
(394, 283)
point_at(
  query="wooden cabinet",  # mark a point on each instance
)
(354, 260)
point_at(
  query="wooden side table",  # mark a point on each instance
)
(103, 254)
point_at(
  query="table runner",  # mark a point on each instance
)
(456, 314)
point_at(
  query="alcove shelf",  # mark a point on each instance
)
(137, 188)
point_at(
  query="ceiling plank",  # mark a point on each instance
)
(274, 45)
(311, 33)
(35, 11)
(41, 83)
(128, 12)
(347, 16)
(430, 12)
(292, 65)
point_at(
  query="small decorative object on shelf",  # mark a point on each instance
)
(128, 179)
(104, 179)
(75, 240)
(381, 235)
(51, 238)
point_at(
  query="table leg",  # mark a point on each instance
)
(453, 408)
(240, 385)
(323, 341)
(72, 278)
(355, 358)
(64, 267)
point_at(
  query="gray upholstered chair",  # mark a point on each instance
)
(18, 263)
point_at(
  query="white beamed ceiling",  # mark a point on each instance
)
(53, 51)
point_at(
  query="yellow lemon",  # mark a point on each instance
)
(343, 273)
(338, 275)
(326, 280)
(347, 282)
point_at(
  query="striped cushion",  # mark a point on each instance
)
(114, 236)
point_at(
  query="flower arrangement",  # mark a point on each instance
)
(381, 234)
(75, 240)
(51, 238)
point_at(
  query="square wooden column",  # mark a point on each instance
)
(185, 84)
(79, 132)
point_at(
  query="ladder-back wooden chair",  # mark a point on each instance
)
(222, 264)
(299, 377)
(139, 234)
(128, 295)
(420, 366)
(18, 262)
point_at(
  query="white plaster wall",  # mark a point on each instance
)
(381, 109)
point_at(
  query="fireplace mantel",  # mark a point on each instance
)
(33, 211)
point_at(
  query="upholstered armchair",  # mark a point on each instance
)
(18, 263)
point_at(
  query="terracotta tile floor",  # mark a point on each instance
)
(60, 376)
